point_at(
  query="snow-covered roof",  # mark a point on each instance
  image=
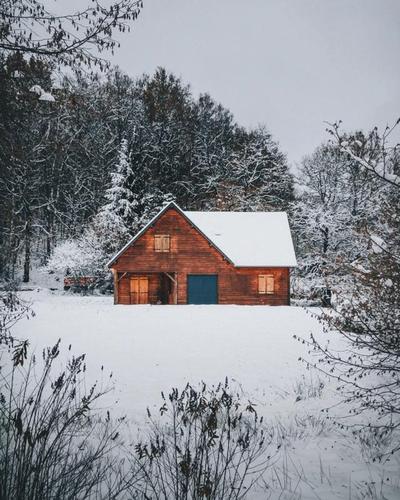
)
(247, 239)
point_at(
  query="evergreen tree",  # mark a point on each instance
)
(117, 219)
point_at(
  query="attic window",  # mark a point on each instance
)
(266, 284)
(162, 242)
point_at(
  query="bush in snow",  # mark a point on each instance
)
(306, 389)
(12, 309)
(80, 257)
(52, 443)
(206, 444)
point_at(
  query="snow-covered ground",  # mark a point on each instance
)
(150, 349)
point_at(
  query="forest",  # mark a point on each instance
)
(98, 159)
(87, 160)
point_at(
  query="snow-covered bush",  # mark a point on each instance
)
(83, 256)
(12, 309)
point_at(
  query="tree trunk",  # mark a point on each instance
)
(27, 260)
(325, 245)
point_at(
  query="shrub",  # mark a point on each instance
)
(307, 389)
(206, 444)
(52, 443)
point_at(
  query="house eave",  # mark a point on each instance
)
(152, 221)
(254, 266)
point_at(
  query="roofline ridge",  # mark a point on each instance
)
(159, 213)
(236, 212)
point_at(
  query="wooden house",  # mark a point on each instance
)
(183, 257)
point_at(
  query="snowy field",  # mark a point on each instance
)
(150, 349)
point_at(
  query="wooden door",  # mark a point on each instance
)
(139, 288)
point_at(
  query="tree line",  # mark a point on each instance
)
(86, 160)
(102, 153)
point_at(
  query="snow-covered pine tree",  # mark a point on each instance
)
(117, 220)
(151, 203)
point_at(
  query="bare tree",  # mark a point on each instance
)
(71, 38)
(375, 154)
(368, 316)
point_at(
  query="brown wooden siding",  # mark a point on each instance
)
(191, 253)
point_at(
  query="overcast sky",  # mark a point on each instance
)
(289, 64)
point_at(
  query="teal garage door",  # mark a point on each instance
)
(202, 288)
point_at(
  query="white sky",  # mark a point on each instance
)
(289, 64)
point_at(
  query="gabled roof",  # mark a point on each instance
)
(250, 239)
(172, 204)
(246, 239)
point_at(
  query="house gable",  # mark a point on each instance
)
(185, 237)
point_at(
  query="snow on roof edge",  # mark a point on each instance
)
(251, 239)
(139, 233)
(144, 229)
(289, 262)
